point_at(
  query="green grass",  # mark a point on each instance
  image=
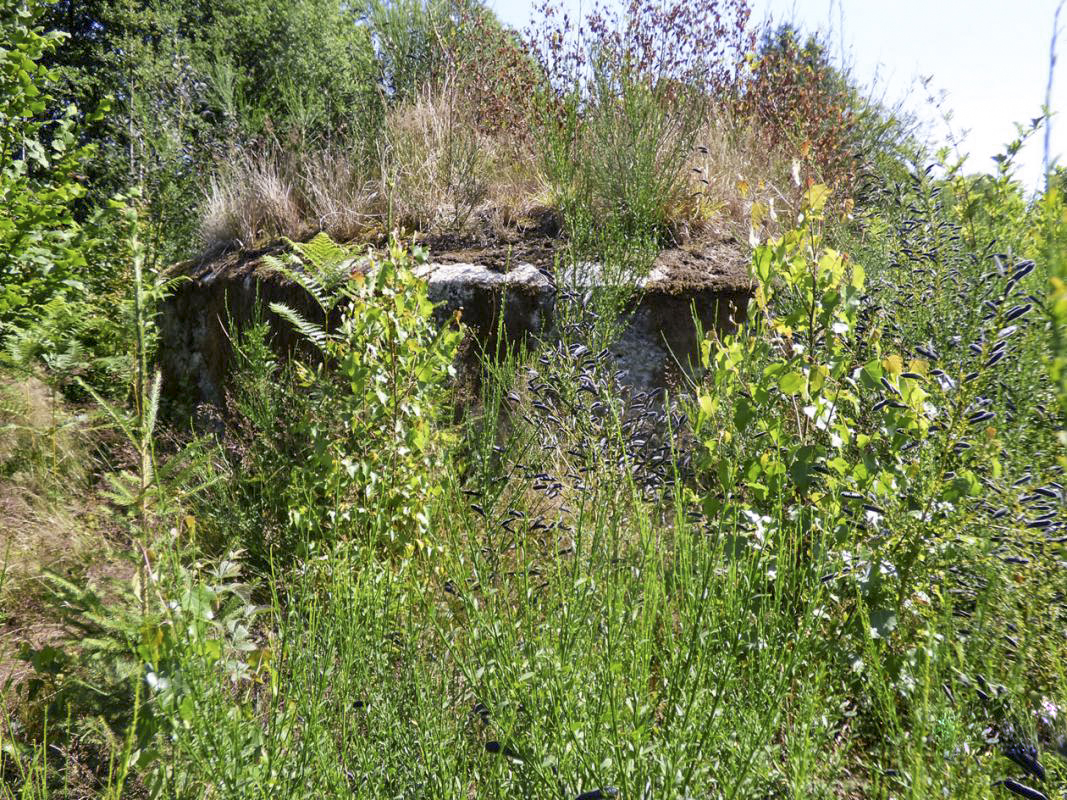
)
(566, 624)
(822, 569)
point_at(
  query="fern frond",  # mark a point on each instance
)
(302, 278)
(152, 410)
(24, 346)
(168, 285)
(65, 360)
(309, 330)
(310, 283)
(320, 266)
(325, 256)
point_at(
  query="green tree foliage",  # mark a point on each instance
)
(302, 66)
(62, 246)
(193, 82)
(126, 54)
(41, 242)
(420, 42)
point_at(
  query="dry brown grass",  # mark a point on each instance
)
(731, 170)
(24, 409)
(278, 192)
(439, 172)
(48, 520)
(41, 444)
(336, 193)
(248, 200)
(252, 198)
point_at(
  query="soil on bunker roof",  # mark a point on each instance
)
(714, 263)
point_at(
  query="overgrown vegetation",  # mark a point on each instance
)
(830, 563)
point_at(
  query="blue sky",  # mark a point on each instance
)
(988, 57)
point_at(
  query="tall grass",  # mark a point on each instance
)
(441, 172)
(612, 118)
(267, 194)
(828, 564)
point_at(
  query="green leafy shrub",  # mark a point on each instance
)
(138, 661)
(1054, 212)
(907, 444)
(995, 209)
(351, 440)
(42, 245)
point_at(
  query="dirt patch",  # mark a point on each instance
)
(500, 256)
(52, 518)
(717, 265)
(64, 535)
(233, 264)
(720, 265)
(717, 261)
(534, 239)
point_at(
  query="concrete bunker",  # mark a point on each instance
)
(518, 296)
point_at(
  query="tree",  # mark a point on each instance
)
(194, 81)
(809, 104)
(42, 244)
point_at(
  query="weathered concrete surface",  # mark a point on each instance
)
(528, 295)
(711, 284)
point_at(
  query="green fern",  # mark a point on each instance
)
(70, 358)
(24, 345)
(52, 341)
(304, 280)
(330, 262)
(321, 267)
(309, 330)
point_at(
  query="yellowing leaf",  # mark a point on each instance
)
(259, 659)
(791, 383)
(859, 276)
(818, 378)
(893, 364)
(706, 405)
(831, 263)
(815, 197)
(759, 213)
